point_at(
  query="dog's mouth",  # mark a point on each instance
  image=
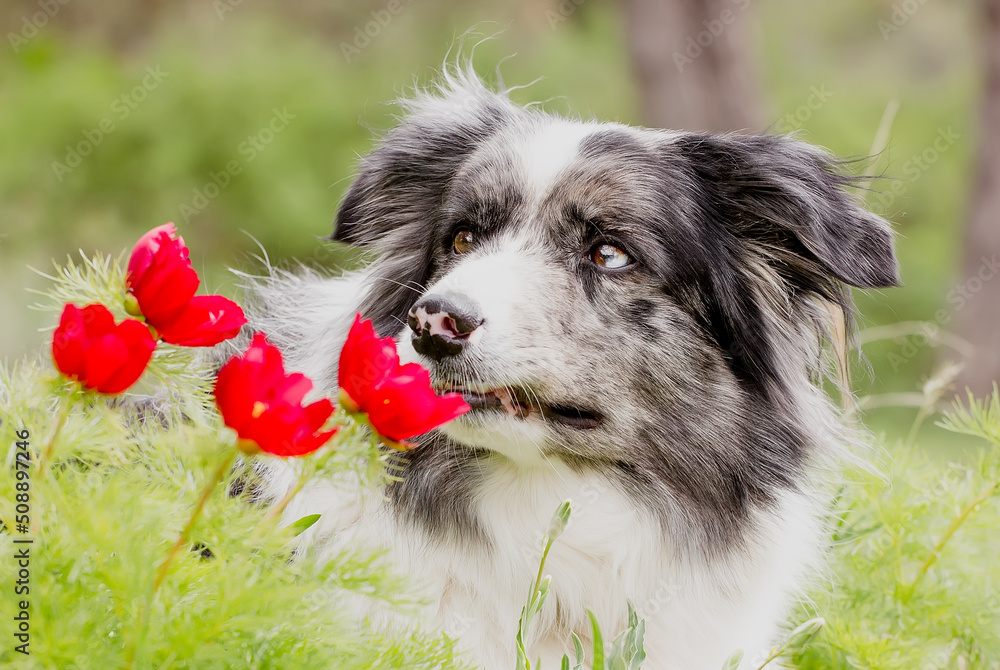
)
(517, 403)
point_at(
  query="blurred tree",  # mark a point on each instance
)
(694, 63)
(977, 299)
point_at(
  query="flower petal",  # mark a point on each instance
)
(405, 405)
(146, 248)
(97, 320)
(69, 342)
(365, 361)
(263, 403)
(293, 388)
(168, 284)
(140, 344)
(309, 444)
(89, 347)
(160, 275)
(448, 407)
(206, 321)
(318, 413)
(105, 356)
(234, 394)
(273, 430)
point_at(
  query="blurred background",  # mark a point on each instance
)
(242, 122)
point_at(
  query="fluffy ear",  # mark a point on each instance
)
(780, 204)
(403, 180)
(790, 197)
(393, 205)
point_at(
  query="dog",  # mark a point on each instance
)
(638, 319)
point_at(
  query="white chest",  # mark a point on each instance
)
(697, 611)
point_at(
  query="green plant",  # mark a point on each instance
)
(97, 492)
(913, 580)
(626, 650)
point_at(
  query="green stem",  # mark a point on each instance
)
(918, 422)
(773, 656)
(275, 512)
(279, 508)
(185, 535)
(952, 529)
(59, 422)
(182, 540)
(541, 564)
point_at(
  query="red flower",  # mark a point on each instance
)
(90, 348)
(263, 404)
(398, 399)
(206, 321)
(162, 284)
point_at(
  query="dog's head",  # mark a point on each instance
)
(601, 292)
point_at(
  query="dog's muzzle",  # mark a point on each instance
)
(445, 324)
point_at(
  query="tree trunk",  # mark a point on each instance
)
(977, 298)
(693, 61)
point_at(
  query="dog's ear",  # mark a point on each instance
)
(393, 206)
(790, 197)
(778, 205)
(403, 180)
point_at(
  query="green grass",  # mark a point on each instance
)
(108, 514)
(104, 516)
(109, 488)
(911, 580)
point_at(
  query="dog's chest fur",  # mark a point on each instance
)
(697, 609)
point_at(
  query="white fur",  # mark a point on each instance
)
(696, 613)
(549, 151)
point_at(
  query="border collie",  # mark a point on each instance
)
(639, 319)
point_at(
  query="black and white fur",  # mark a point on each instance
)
(695, 370)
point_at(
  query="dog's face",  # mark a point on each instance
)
(601, 293)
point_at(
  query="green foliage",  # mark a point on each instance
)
(112, 485)
(911, 583)
(626, 651)
(104, 518)
(914, 581)
(540, 588)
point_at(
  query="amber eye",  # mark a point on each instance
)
(462, 242)
(610, 256)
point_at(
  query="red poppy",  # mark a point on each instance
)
(162, 284)
(398, 399)
(263, 403)
(88, 347)
(207, 320)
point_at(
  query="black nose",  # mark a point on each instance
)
(444, 324)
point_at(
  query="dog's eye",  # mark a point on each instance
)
(610, 256)
(462, 242)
